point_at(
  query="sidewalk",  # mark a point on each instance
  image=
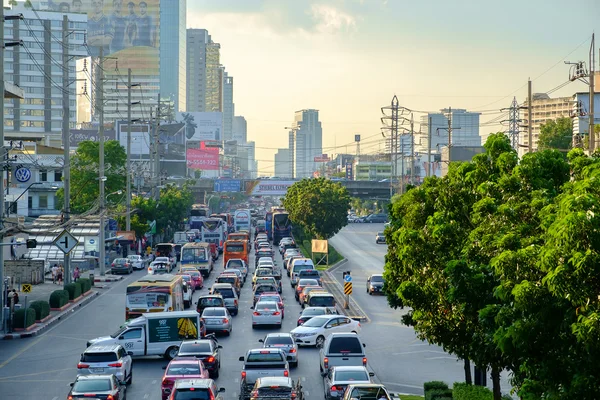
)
(42, 292)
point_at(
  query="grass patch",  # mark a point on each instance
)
(411, 397)
(305, 246)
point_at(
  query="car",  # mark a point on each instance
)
(206, 350)
(136, 261)
(285, 342)
(314, 331)
(336, 379)
(97, 386)
(266, 313)
(376, 218)
(380, 238)
(217, 319)
(197, 278)
(120, 266)
(263, 253)
(276, 387)
(238, 273)
(276, 297)
(262, 271)
(166, 260)
(181, 368)
(159, 267)
(110, 359)
(367, 391)
(186, 389)
(268, 280)
(232, 279)
(209, 300)
(375, 284)
(238, 263)
(304, 293)
(229, 295)
(321, 299)
(302, 283)
(310, 312)
(187, 279)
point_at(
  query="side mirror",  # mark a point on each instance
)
(221, 390)
(219, 346)
(371, 374)
(121, 337)
(364, 345)
(241, 358)
(165, 367)
(261, 341)
(72, 384)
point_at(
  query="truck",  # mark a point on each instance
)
(180, 238)
(155, 334)
(241, 220)
(342, 349)
(262, 363)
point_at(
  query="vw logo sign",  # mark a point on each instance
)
(23, 174)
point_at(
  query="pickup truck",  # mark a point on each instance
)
(342, 349)
(261, 363)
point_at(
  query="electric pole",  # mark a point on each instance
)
(128, 182)
(390, 124)
(513, 123)
(529, 116)
(429, 149)
(66, 138)
(412, 149)
(6, 311)
(101, 177)
(449, 133)
(156, 155)
(592, 133)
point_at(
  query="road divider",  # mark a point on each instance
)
(334, 287)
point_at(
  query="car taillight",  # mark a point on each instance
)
(70, 397)
(365, 361)
(300, 322)
(210, 359)
(326, 363)
(110, 397)
(256, 313)
(225, 320)
(286, 373)
(292, 350)
(276, 313)
(116, 365)
(167, 381)
(359, 324)
(235, 302)
(82, 366)
(243, 374)
(335, 388)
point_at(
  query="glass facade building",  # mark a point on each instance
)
(173, 39)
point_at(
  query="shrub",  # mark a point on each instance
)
(463, 391)
(41, 308)
(434, 385)
(86, 284)
(20, 320)
(59, 298)
(80, 286)
(438, 394)
(74, 290)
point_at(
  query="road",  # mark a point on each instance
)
(400, 360)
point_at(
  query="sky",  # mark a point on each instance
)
(348, 58)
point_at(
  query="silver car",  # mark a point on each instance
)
(240, 264)
(217, 319)
(106, 359)
(285, 342)
(336, 379)
(136, 261)
(238, 273)
(266, 313)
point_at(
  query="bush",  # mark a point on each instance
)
(438, 394)
(435, 385)
(463, 391)
(41, 308)
(74, 290)
(19, 318)
(80, 286)
(86, 284)
(59, 298)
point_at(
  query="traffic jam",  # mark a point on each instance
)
(189, 301)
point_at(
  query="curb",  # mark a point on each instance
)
(334, 287)
(108, 279)
(59, 317)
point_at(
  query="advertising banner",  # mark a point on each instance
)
(77, 136)
(140, 138)
(227, 185)
(202, 126)
(349, 174)
(170, 329)
(205, 158)
(267, 187)
(322, 158)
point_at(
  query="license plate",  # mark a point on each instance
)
(213, 321)
(97, 370)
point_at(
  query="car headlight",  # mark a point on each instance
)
(301, 335)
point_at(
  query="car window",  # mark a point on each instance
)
(351, 376)
(133, 334)
(213, 313)
(275, 340)
(266, 306)
(211, 302)
(100, 357)
(202, 347)
(92, 385)
(264, 357)
(226, 293)
(377, 279)
(322, 301)
(345, 345)
(195, 394)
(184, 369)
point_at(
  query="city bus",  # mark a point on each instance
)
(154, 293)
(235, 249)
(214, 231)
(197, 255)
(282, 226)
(198, 213)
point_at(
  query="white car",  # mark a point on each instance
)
(314, 331)
(165, 260)
(266, 313)
(159, 267)
(136, 261)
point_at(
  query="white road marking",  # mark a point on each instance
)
(154, 382)
(418, 352)
(402, 385)
(55, 398)
(146, 395)
(442, 358)
(237, 380)
(303, 379)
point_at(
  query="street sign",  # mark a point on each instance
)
(26, 288)
(65, 242)
(348, 288)
(348, 278)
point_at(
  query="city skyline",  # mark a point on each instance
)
(348, 59)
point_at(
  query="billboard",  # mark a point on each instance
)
(267, 187)
(77, 136)
(205, 158)
(230, 148)
(202, 126)
(140, 138)
(227, 185)
(322, 158)
(349, 174)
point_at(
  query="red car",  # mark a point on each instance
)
(196, 277)
(276, 297)
(181, 368)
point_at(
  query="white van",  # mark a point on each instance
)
(299, 264)
(155, 334)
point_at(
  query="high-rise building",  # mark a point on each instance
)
(197, 41)
(37, 67)
(227, 107)
(306, 141)
(252, 170)
(173, 47)
(465, 130)
(283, 165)
(213, 78)
(240, 129)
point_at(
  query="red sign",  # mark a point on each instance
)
(322, 158)
(206, 158)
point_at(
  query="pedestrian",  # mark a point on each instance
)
(54, 273)
(59, 276)
(75, 274)
(15, 297)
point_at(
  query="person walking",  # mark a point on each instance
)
(59, 276)
(54, 273)
(15, 297)
(75, 274)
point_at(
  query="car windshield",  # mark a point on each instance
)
(99, 357)
(121, 261)
(322, 301)
(195, 394)
(264, 271)
(92, 385)
(376, 278)
(235, 264)
(225, 293)
(226, 279)
(313, 311)
(234, 248)
(351, 376)
(308, 282)
(184, 369)
(193, 254)
(270, 298)
(213, 313)
(370, 393)
(345, 345)
(315, 322)
(201, 347)
(278, 340)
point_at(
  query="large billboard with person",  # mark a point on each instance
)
(202, 126)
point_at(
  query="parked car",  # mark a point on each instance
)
(137, 261)
(376, 218)
(120, 266)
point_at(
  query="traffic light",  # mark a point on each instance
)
(31, 243)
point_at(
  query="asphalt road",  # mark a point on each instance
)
(401, 361)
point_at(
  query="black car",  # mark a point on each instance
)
(121, 266)
(209, 300)
(375, 284)
(376, 218)
(206, 350)
(102, 387)
(380, 238)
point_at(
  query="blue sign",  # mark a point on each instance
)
(227, 185)
(23, 174)
(348, 278)
(92, 241)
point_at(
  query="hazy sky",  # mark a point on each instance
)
(347, 58)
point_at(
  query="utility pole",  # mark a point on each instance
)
(412, 149)
(128, 183)
(66, 138)
(449, 134)
(592, 133)
(156, 155)
(513, 123)
(4, 312)
(429, 148)
(392, 127)
(529, 116)
(101, 177)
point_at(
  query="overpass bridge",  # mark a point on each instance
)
(272, 187)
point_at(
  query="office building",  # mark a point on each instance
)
(465, 130)
(38, 69)
(227, 107)
(197, 41)
(306, 142)
(240, 129)
(250, 158)
(283, 164)
(214, 78)
(372, 170)
(173, 47)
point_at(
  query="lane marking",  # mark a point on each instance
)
(36, 373)
(402, 385)
(146, 395)
(418, 352)
(442, 358)
(154, 382)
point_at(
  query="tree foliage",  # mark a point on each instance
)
(319, 205)
(556, 134)
(499, 263)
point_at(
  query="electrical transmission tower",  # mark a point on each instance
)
(513, 123)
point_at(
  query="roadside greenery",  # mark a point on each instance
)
(556, 134)
(303, 240)
(498, 262)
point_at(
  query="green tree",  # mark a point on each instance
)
(84, 174)
(319, 205)
(556, 134)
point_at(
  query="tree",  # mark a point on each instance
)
(556, 134)
(84, 174)
(319, 205)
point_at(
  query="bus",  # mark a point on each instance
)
(235, 249)
(282, 226)
(197, 255)
(214, 231)
(269, 224)
(154, 293)
(198, 213)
